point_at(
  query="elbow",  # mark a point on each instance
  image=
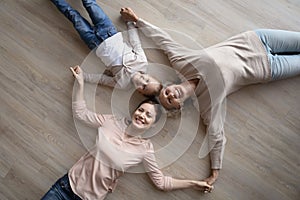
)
(163, 184)
(161, 187)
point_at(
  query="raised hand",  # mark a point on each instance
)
(78, 74)
(128, 15)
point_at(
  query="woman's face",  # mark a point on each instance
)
(144, 116)
(145, 84)
(173, 96)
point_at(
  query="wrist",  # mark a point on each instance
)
(215, 173)
(193, 183)
(80, 85)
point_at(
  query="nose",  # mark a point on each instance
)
(143, 82)
(141, 87)
(169, 94)
(142, 115)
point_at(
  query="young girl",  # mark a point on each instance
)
(124, 60)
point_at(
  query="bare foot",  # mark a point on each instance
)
(128, 15)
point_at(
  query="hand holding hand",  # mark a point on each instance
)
(213, 177)
(200, 185)
(78, 74)
(128, 15)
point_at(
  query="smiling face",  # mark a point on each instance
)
(144, 116)
(146, 84)
(173, 96)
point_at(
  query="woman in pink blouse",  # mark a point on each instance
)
(119, 146)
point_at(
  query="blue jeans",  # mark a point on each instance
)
(92, 35)
(283, 50)
(61, 190)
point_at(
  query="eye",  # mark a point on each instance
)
(149, 115)
(169, 101)
(141, 109)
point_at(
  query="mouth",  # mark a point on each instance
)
(139, 120)
(177, 93)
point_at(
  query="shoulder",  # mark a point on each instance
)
(148, 145)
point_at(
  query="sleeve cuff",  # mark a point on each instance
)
(79, 103)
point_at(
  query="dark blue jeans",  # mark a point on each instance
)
(61, 190)
(92, 35)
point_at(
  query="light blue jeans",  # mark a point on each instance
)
(283, 50)
(92, 35)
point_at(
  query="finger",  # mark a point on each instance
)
(78, 67)
(210, 189)
(72, 70)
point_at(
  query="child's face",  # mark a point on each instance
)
(145, 84)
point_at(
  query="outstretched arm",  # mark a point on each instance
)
(167, 183)
(80, 110)
(198, 185)
(216, 157)
(78, 74)
(163, 40)
(102, 79)
(134, 38)
(160, 37)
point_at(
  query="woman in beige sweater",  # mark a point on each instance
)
(213, 73)
(119, 146)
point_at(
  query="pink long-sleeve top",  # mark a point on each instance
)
(96, 172)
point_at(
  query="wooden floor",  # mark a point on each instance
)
(38, 139)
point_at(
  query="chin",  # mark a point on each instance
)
(140, 126)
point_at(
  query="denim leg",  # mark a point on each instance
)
(103, 25)
(61, 190)
(283, 49)
(53, 194)
(81, 25)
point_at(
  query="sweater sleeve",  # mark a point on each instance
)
(177, 54)
(161, 181)
(81, 112)
(134, 39)
(217, 140)
(102, 79)
(163, 40)
(214, 121)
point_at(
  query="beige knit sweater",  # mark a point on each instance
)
(221, 70)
